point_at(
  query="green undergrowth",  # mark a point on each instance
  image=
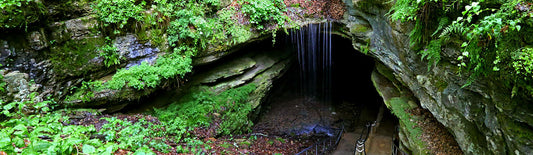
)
(49, 132)
(201, 107)
(493, 37)
(20, 13)
(191, 27)
(263, 12)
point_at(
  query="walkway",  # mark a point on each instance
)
(379, 141)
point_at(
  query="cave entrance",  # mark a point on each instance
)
(342, 95)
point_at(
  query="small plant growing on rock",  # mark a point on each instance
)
(109, 53)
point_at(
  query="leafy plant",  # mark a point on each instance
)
(19, 13)
(523, 64)
(110, 54)
(265, 11)
(492, 35)
(194, 108)
(432, 52)
(119, 11)
(37, 134)
(2, 82)
(453, 29)
(20, 108)
(132, 136)
(146, 75)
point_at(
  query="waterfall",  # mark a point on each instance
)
(313, 44)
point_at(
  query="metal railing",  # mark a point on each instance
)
(360, 144)
(325, 145)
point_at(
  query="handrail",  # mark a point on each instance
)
(360, 144)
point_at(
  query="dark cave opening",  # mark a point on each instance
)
(354, 100)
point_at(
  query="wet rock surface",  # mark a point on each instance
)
(481, 117)
(297, 116)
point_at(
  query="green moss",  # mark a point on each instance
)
(385, 71)
(156, 37)
(441, 85)
(400, 107)
(358, 28)
(20, 13)
(72, 57)
(520, 130)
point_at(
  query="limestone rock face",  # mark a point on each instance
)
(483, 117)
(19, 87)
(257, 66)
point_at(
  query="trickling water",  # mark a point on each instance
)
(313, 44)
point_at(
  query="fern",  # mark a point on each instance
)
(456, 28)
(432, 52)
(415, 37)
(443, 21)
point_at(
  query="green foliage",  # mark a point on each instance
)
(443, 22)
(197, 109)
(432, 52)
(19, 13)
(110, 53)
(119, 11)
(523, 64)
(133, 136)
(20, 108)
(191, 26)
(85, 91)
(405, 10)
(237, 33)
(453, 29)
(196, 25)
(48, 133)
(191, 29)
(45, 134)
(2, 82)
(493, 35)
(424, 14)
(146, 75)
(265, 11)
(235, 110)
(365, 49)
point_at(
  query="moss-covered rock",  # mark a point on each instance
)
(21, 13)
(480, 116)
(76, 57)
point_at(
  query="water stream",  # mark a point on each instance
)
(329, 83)
(313, 45)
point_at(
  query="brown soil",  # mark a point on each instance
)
(332, 9)
(436, 136)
